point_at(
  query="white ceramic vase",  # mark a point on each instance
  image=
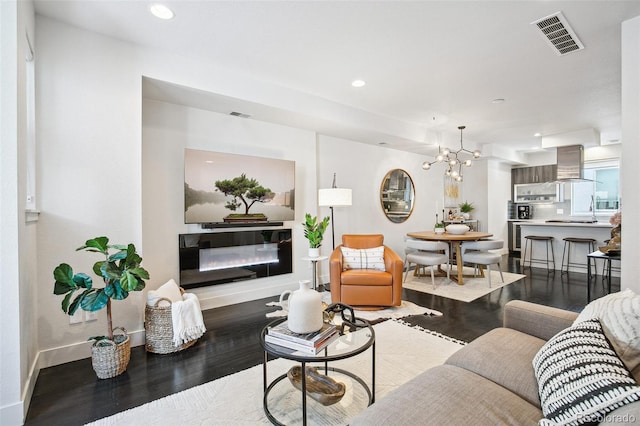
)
(304, 308)
(314, 252)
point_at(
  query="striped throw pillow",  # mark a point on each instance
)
(580, 377)
(371, 258)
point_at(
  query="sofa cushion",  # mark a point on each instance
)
(369, 258)
(580, 376)
(619, 314)
(503, 356)
(449, 395)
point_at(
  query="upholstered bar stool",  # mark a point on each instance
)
(530, 240)
(590, 244)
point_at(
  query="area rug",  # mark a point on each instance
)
(472, 289)
(405, 309)
(402, 352)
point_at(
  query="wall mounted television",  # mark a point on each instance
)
(237, 189)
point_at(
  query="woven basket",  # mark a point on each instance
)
(109, 358)
(158, 326)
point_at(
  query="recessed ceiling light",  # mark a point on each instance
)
(497, 101)
(537, 135)
(161, 11)
(358, 83)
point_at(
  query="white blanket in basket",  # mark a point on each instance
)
(187, 319)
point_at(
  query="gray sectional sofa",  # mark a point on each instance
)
(491, 381)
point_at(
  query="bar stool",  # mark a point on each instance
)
(570, 241)
(533, 238)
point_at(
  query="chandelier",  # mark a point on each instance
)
(453, 159)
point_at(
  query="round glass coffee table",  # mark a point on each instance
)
(355, 338)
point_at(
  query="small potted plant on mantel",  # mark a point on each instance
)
(122, 273)
(466, 208)
(314, 232)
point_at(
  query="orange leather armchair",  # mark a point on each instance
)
(366, 288)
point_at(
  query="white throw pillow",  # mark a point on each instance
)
(619, 314)
(580, 377)
(371, 258)
(169, 290)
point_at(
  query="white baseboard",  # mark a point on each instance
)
(76, 351)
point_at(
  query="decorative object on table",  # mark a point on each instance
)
(616, 221)
(304, 307)
(334, 197)
(397, 195)
(438, 227)
(457, 229)
(614, 244)
(122, 273)
(173, 319)
(309, 343)
(320, 387)
(453, 159)
(314, 232)
(466, 208)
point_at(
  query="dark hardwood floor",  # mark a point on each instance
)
(70, 394)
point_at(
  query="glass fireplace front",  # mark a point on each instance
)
(223, 257)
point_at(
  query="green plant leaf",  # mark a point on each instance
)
(98, 244)
(110, 271)
(95, 301)
(128, 281)
(97, 268)
(140, 272)
(115, 291)
(77, 302)
(82, 280)
(65, 302)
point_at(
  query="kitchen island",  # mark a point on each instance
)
(599, 231)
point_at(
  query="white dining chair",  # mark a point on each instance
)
(477, 252)
(426, 253)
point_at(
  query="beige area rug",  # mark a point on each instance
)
(402, 352)
(472, 289)
(405, 309)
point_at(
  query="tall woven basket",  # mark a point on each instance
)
(111, 357)
(158, 326)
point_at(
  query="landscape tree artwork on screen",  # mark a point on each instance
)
(244, 191)
(221, 187)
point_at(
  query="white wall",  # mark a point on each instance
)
(498, 195)
(630, 152)
(167, 130)
(18, 332)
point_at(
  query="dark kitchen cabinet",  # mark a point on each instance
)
(536, 174)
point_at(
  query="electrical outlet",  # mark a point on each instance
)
(77, 318)
(559, 211)
(90, 315)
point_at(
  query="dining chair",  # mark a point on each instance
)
(477, 252)
(426, 253)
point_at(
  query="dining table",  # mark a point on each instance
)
(455, 241)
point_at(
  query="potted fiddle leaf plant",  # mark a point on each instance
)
(120, 269)
(314, 230)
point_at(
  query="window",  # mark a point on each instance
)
(600, 197)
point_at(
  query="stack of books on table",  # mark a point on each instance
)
(310, 343)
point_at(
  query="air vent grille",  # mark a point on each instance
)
(558, 33)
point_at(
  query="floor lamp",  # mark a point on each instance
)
(334, 197)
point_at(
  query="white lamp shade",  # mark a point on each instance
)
(334, 197)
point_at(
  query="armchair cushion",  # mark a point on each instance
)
(370, 258)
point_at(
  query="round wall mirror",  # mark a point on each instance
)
(397, 195)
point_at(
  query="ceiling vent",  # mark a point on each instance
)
(558, 33)
(239, 114)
